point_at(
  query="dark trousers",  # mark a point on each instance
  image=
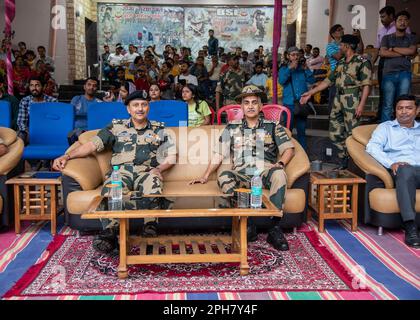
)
(380, 73)
(331, 96)
(407, 180)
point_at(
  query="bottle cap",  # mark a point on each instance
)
(115, 168)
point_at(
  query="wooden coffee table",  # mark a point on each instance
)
(189, 246)
(36, 198)
(335, 196)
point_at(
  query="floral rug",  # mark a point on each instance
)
(72, 267)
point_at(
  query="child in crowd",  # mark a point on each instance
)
(198, 110)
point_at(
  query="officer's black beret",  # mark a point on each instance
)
(137, 95)
(350, 39)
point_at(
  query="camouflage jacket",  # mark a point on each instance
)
(248, 146)
(355, 74)
(148, 146)
(232, 83)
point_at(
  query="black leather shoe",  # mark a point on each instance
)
(106, 241)
(277, 239)
(412, 238)
(150, 230)
(251, 232)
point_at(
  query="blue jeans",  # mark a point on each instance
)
(300, 124)
(393, 85)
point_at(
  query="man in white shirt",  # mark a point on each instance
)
(396, 145)
(184, 78)
(130, 56)
(115, 60)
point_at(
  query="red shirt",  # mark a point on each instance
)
(142, 84)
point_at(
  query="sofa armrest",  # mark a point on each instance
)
(85, 171)
(11, 158)
(298, 166)
(367, 163)
(9, 136)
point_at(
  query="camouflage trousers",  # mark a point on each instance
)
(274, 179)
(343, 120)
(134, 178)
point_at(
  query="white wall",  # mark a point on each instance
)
(318, 27)
(32, 26)
(344, 17)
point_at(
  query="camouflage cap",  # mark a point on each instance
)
(137, 95)
(250, 90)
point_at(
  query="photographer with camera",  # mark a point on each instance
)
(295, 77)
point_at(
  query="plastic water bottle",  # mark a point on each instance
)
(116, 189)
(256, 190)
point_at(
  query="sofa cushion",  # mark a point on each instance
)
(385, 200)
(9, 136)
(362, 134)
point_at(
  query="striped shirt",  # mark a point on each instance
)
(24, 106)
(333, 48)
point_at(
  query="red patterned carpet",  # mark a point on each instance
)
(74, 268)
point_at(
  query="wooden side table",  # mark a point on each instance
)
(335, 196)
(35, 199)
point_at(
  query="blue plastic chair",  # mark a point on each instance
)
(5, 114)
(49, 125)
(100, 114)
(173, 113)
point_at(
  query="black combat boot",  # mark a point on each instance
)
(251, 232)
(150, 229)
(412, 237)
(106, 241)
(277, 239)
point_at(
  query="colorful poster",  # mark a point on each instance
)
(242, 27)
(246, 27)
(140, 25)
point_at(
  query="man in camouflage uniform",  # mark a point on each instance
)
(254, 144)
(352, 78)
(142, 150)
(230, 83)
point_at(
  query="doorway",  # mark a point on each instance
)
(91, 40)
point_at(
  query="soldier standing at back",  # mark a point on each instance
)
(142, 150)
(352, 78)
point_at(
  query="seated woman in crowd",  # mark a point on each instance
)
(165, 81)
(198, 110)
(21, 75)
(155, 93)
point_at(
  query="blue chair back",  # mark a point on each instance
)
(50, 123)
(173, 113)
(5, 114)
(100, 114)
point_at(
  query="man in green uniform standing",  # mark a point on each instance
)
(142, 150)
(254, 144)
(352, 78)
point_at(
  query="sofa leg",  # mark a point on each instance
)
(295, 230)
(380, 231)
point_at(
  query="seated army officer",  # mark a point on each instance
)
(396, 145)
(143, 151)
(254, 143)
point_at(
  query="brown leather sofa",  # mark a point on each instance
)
(83, 178)
(381, 206)
(9, 167)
